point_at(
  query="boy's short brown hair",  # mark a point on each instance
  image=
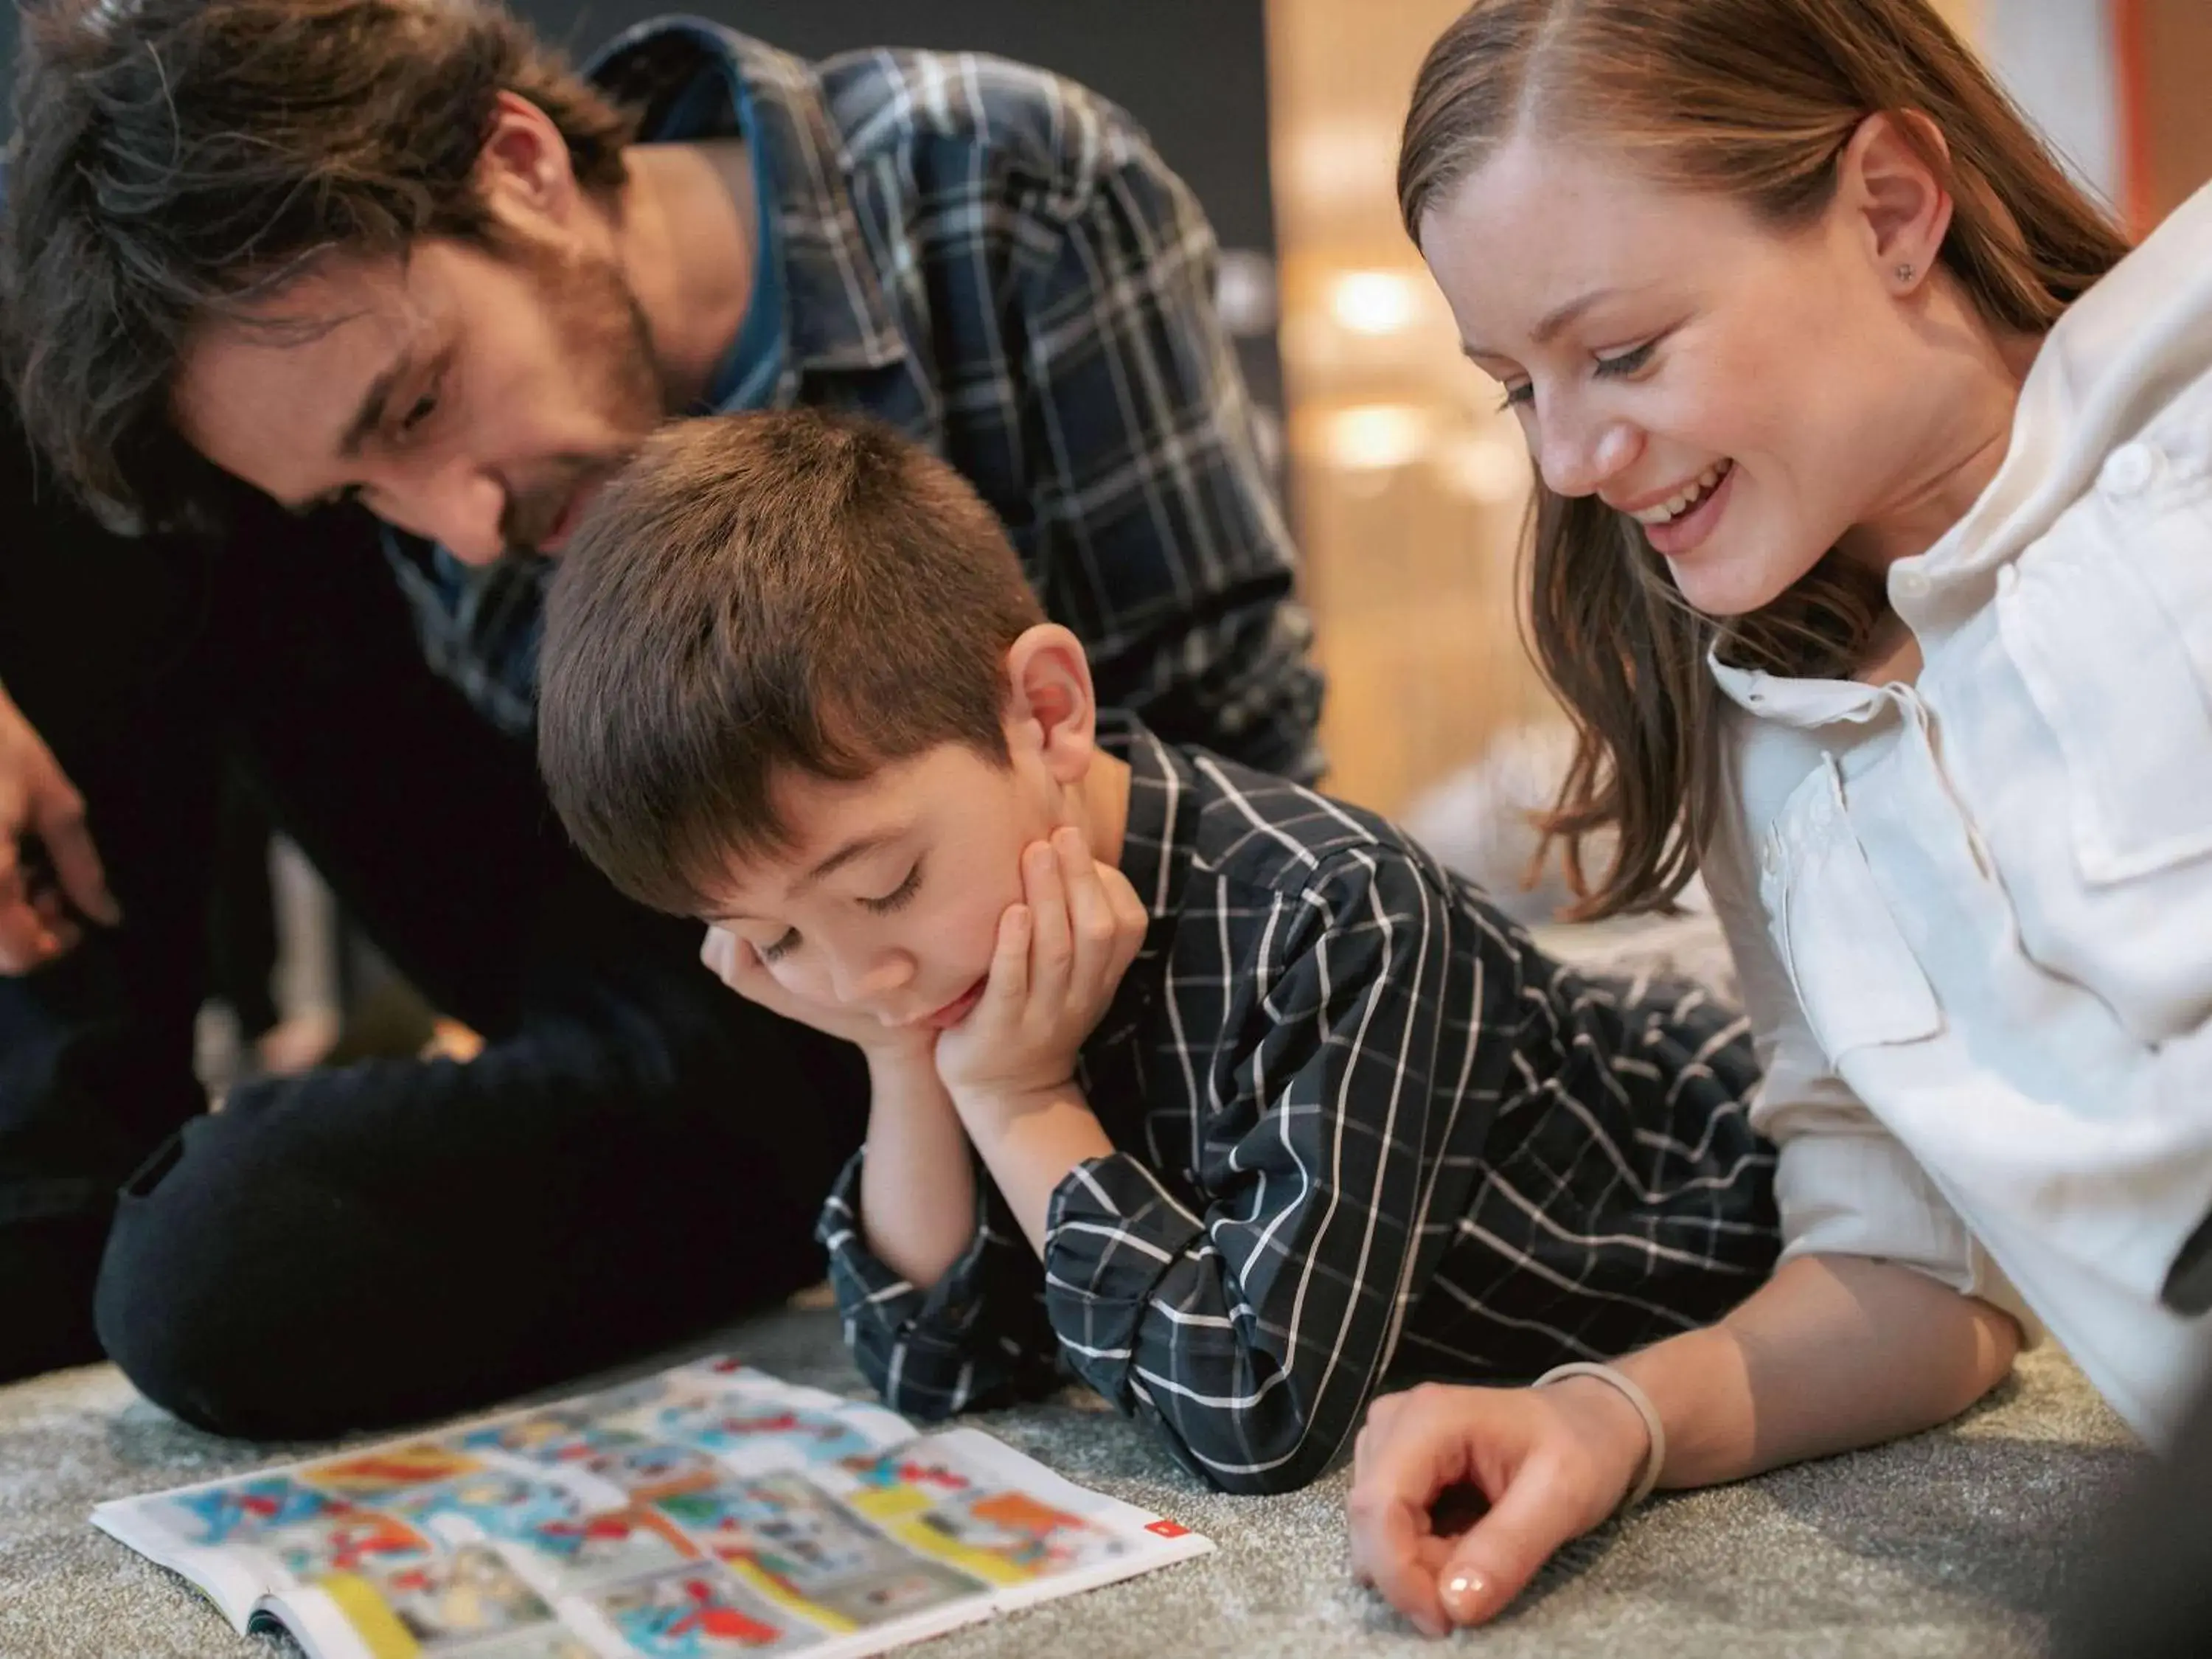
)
(759, 595)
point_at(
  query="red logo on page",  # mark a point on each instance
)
(1169, 1530)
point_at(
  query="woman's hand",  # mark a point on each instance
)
(1552, 1463)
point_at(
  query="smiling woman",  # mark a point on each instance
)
(1793, 279)
(1873, 521)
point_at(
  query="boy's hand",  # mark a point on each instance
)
(738, 965)
(1061, 955)
(1552, 1463)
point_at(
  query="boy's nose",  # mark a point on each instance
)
(871, 981)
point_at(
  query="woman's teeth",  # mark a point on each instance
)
(1676, 504)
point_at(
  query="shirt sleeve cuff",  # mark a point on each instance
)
(870, 1294)
(1864, 1194)
(1111, 1232)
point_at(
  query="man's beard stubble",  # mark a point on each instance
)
(610, 355)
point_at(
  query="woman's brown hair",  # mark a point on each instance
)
(1755, 100)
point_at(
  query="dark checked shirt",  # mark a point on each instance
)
(1364, 1130)
(994, 261)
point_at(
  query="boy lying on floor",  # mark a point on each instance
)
(1214, 1091)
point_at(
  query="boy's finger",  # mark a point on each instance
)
(1008, 986)
(1050, 947)
(1090, 911)
(1131, 919)
(1536, 1513)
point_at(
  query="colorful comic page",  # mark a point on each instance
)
(582, 1552)
(240, 1511)
(710, 1510)
(747, 1420)
(800, 1548)
(702, 1612)
(490, 1504)
(570, 1441)
(447, 1598)
(540, 1641)
(345, 1540)
(388, 1471)
(937, 1497)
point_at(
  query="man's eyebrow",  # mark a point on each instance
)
(1546, 330)
(370, 414)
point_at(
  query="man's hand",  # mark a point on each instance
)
(738, 965)
(1061, 955)
(39, 890)
(1552, 1462)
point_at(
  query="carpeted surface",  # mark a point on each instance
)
(1955, 1543)
(1958, 1542)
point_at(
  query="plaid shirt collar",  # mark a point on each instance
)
(1159, 843)
(836, 319)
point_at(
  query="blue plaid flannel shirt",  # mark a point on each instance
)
(994, 260)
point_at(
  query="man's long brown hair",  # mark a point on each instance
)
(1755, 100)
(178, 159)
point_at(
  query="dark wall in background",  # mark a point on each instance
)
(1192, 72)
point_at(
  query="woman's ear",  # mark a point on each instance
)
(1898, 196)
(1050, 706)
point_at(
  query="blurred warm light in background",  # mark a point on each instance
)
(1406, 481)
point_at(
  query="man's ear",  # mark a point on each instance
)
(524, 170)
(1902, 205)
(1050, 706)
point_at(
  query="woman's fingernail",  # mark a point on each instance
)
(1463, 1594)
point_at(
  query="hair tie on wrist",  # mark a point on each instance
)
(1655, 1459)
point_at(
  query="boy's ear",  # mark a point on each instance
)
(1050, 706)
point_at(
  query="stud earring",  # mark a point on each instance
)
(1904, 273)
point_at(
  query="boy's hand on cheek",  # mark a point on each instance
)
(1061, 955)
(738, 965)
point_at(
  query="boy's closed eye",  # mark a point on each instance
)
(896, 899)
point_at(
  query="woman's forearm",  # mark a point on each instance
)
(1832, 1352)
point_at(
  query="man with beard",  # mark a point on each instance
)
(307, 252)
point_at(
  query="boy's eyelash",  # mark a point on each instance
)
(891, 901)
(898, 895)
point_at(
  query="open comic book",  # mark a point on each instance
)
(710, 1509)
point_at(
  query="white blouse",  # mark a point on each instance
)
(1973, 914)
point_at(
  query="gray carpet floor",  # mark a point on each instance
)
(1954, 1543)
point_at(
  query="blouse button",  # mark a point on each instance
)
(1910, 585)
(2128, 469)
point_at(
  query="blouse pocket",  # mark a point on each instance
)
(2109, 622)
(1855, 975)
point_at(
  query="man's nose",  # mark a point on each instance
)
(461, 509)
